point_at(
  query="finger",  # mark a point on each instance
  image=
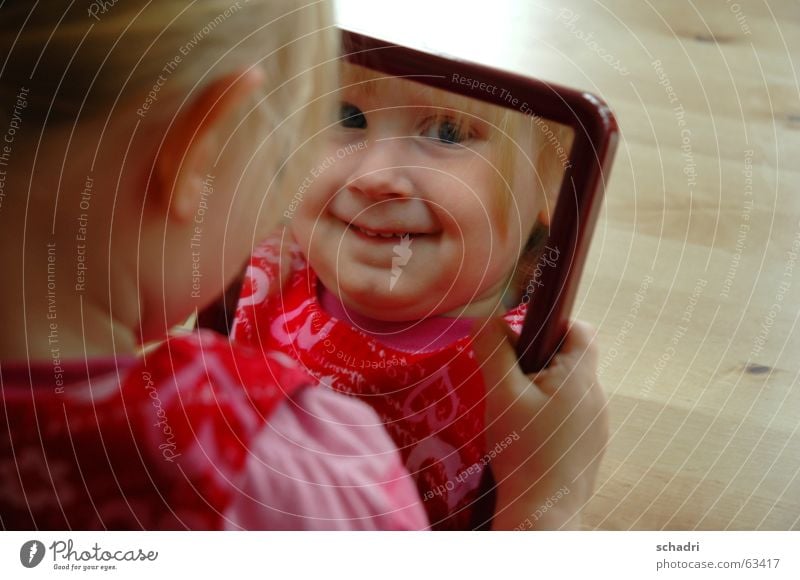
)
(511, 336)
(576, 363)
(580, 343)
(494, 352)
(504, 379)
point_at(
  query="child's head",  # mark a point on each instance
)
(423, 200)
(156, 133)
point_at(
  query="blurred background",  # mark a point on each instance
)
(693, 279)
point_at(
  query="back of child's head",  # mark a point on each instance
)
(107, 102)
(83, 60)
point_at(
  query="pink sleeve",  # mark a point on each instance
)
(325, 462)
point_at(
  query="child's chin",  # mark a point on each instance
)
(387, 305)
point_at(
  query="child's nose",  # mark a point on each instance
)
(382, 172)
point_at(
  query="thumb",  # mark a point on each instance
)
(492, 343)
(580, 345)
(495, 354)
(510, 395)
(497, 362)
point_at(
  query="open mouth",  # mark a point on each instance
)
(394, 235)
(374, 234)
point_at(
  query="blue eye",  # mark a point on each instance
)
(445, 131)
(351, 117)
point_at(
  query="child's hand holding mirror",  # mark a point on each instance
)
(560, 415)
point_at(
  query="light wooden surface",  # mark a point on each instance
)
(705, 418)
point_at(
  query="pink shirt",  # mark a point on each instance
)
(197, 434)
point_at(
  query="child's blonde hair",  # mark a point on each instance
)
(86, 59)
(520, 141)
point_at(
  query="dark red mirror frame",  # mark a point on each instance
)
(586, 172)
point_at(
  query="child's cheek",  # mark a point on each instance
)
(321, 194)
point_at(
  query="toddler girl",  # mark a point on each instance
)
(144, 143)
(408, 226)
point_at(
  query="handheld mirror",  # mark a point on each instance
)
(550, 153)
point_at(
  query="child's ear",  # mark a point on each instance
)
(199, 129)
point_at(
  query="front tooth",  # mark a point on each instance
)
(387, 235)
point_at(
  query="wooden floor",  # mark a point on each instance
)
(694, 275)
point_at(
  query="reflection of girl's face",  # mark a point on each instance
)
(401, 216)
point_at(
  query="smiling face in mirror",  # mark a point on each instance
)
(422, 201)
